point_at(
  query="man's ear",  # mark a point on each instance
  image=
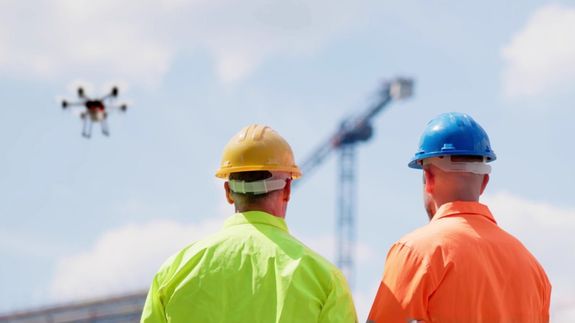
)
(484, 183)
(287, 190)
(428, 180)
(228, 193)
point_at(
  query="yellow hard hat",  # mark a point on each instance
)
(257, 147)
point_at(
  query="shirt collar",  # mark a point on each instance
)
(256, 217)
(463, 208)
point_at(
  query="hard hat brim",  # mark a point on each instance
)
(224, 173)
(415, 162)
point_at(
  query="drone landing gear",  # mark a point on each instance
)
(87, 129)
(105, 129)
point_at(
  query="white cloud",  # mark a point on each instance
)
(124, 259)
(541, 57)
(73, 38)
(547, 231)
(325, 246)
(139, 40)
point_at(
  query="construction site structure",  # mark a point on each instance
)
(121, 309)
(352, 132)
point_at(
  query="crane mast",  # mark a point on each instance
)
(352, 131)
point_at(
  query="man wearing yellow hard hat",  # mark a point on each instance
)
(253, 270)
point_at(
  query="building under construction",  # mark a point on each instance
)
(126, 308)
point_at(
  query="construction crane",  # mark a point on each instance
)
(351, 132)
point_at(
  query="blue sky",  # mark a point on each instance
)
(89, 218)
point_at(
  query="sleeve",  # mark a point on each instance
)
(153, 311)
(405, 288)
(339, 307)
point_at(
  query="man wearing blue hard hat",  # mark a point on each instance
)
(461, 266)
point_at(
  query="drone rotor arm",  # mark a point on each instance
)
(120, 107)
(67, 104)
(112, 95)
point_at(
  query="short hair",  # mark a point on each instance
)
(252, 176)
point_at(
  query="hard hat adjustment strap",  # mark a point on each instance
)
(257, 187)
(447, 165)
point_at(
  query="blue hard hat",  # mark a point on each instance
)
(452, 134)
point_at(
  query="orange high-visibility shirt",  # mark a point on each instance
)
(461, 267)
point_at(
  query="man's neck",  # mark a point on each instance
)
(268, 210)
(437, 204)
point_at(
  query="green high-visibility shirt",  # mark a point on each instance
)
(251, 271)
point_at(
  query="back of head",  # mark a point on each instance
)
(457, 178)
(256, 190)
